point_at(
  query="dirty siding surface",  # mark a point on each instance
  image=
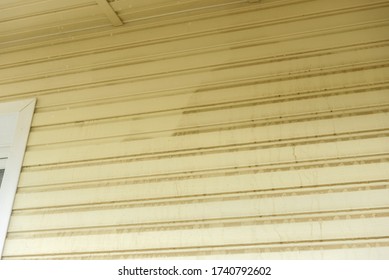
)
(253, 131)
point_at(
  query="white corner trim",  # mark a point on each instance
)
(24, 109)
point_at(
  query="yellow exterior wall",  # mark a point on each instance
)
(255, 131)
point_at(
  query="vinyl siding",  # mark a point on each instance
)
(253, 131)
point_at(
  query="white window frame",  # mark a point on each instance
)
(24, 110)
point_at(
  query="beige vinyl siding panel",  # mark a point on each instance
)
(270, 135)
(175, 124)
(142, 72)
(209, 164)
(219, 43)
(237, 131)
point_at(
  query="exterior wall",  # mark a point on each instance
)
(257, 131)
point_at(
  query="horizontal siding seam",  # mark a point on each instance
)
(58, 10)
(381, 84)
(265, 78)
(201, 198)
(285, 246)
(211, 67)
(220, 105)
(246, 146)
(224, 171)
(251, 123)
(320, 216)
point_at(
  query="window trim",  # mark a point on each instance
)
(25, 110)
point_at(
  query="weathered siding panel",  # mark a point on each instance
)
(256, 131)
